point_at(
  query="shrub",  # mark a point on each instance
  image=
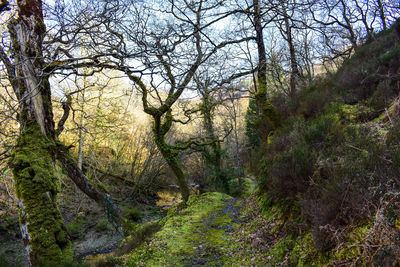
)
(76, 228)
(290, 171)
(333, 171)
(313, 100)
(102, 226)
(383, 95)
(332, 162)
(349, 186)
(132, 213)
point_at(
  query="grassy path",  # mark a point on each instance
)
(195, 236)
(213, 229)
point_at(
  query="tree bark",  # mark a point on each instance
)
(261, 94)
(214, 159)
(265, 108)
(114, 214)
(294, 73)
(382, 16)
(45, 238)
(169, 154)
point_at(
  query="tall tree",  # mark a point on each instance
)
(32, 162)
(261, 94)
(286, 31)
(33, 158)
(265, 108)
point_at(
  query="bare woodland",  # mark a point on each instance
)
(154, 93)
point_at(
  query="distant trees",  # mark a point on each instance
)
(161, 57)
(170, 51)
(343, 24)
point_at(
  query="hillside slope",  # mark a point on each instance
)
(334, 163)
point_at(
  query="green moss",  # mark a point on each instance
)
(36, 185)
(278, 252)
(132, 213)
(102, 226)
(271, 114)
(305, 254)
(249, 186)
(350, 113)
(76, 228)
(140, 234)
(195, 231)
(351, 249)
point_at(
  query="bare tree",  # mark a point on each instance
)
(345, 24)
(261, 93)
(171, 52)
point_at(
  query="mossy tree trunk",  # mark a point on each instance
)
(266, 110)
(32, 88)
(32, 163)
(214, 157)
(160, 129)
(44, 235)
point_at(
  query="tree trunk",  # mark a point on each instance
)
(114, 214)
(81, 134)
(32, 163)
(239, 170)
(261, 94)
(169, 154)
(171, 158)
(179, 175)
(265, 109)
(382, 16)
(215, 160)
(80, 147)
(294, 73)
(44, 235)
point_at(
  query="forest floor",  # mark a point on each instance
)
(213, 229)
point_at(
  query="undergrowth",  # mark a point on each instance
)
(332, 166)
